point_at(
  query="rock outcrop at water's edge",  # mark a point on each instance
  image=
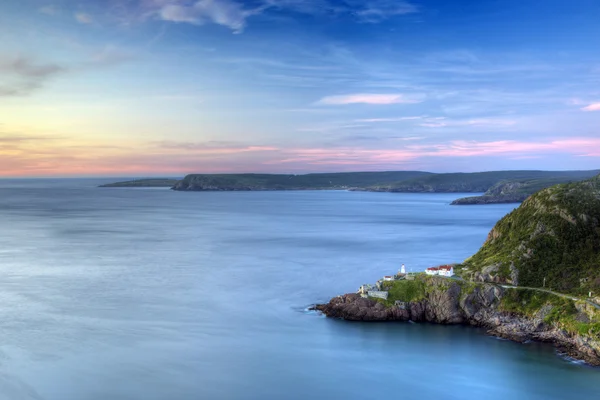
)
(455, 302)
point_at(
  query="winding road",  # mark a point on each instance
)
(566, 296)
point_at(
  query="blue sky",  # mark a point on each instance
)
(169, 87)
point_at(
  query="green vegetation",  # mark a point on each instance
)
(405, 290)
(527, 302)
(467, 287)
(553, 237)
(481, 181)
(390, 181)
(150, 182)
(575, 318)
(343, 180)
(516, 191)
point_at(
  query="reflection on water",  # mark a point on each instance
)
(155, 294)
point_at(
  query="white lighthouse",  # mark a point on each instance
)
(402, 269)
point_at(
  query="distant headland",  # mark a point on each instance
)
(497, 186)
(537, 277)
(147, 182)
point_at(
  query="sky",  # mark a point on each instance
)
(170, 87)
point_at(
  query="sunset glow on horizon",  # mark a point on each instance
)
(171, 87)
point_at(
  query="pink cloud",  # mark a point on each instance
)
(592, 107)
(61, 158)
(366, 98)
(442, 123)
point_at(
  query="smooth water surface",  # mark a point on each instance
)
(154, 294)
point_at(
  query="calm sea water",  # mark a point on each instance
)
(154, 294)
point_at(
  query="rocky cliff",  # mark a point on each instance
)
(446, 301)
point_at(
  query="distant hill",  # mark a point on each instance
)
(341, 180)
(391, 181)
(516, 191)
(551, 240)
(476, 181)
(150, 182)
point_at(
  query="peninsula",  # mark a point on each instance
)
(537, 277)
(148, 182)
(500, 186)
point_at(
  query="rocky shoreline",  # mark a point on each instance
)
(450, 302)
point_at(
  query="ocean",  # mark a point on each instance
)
(128, 293)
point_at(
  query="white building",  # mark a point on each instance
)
(364, 289)
(378, 294)
(432, 271)
(402, 269)
(446, 270)
(388, 278)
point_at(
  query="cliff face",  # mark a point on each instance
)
(551, 240)
(451, 302)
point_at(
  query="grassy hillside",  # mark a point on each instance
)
(517, 190)
(554, 235)
(479, 181)
(575, 317)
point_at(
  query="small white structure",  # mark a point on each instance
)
(364, 289)
(402, 269)
(388, 278)
(446, 270)
(378, 294)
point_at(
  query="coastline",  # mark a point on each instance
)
(452, 302)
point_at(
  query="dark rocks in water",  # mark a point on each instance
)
(477, 305)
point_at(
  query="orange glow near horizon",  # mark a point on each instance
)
(23, 156)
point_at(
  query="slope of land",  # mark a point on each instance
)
(552, 240)
(150, 182)
(477, 181)
(516, 191)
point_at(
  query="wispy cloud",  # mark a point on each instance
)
(83, 18)
(39, 155)
(49, 9)
(363, 10)
(368, 98)
(21, 75)
(212, 147)
(378, 10)
(441, 122)
(592, 107)
(110, 55)
(234, 14)
(396, 119)
(222, 12)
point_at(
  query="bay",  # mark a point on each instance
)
(155, 294)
